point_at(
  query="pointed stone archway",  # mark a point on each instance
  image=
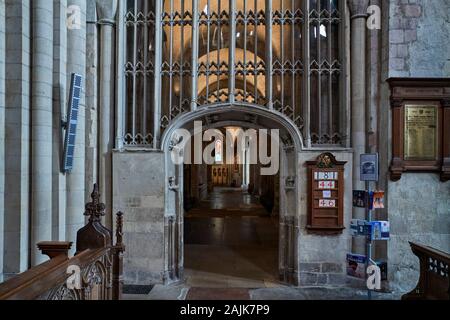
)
(246, 116)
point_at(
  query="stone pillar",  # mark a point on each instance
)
(41, 126)
(120, 79)
(358, 11)
(106, 11)
(59, 112)
(76, 63)
(374, 110)
(17, 133)
(373, 84)
(91, 97)
(2, 131)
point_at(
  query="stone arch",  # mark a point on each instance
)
(246, 116)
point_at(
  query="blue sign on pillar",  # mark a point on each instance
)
(72, 122)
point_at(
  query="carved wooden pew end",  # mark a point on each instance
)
(434, 281)
(96, 269)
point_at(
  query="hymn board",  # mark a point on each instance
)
(326, 195)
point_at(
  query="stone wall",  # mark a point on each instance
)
(419, 211)
(419, 37)
(138, 191)
(416, 43)
(322, 259)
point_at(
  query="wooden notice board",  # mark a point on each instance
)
(326, 195)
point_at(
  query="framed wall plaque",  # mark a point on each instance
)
(420, 126)
(421, 132)
(326, 195)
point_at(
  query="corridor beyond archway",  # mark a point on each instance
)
(231, 241)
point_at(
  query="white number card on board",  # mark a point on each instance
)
(325, 185)
(327, 203)
(326, 175)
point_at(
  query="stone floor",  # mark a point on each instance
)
(228, 202)
(184, 292)
(231, 253)
(230, 242)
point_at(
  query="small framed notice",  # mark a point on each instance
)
(327, 194)
(369, 167)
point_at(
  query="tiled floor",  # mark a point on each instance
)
(231, 242)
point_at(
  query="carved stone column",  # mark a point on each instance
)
(358, 11)
(60, 96)
(106, 12)
(76, 63)
(92, 102)
(17, 144)
(41, 125)
(373, 83)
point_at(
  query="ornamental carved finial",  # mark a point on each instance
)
(326, 160)
(358, 8)
(95, 210)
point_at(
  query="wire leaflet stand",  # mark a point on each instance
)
(369, 174)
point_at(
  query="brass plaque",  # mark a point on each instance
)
(421, 132)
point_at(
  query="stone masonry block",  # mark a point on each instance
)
(332, 268)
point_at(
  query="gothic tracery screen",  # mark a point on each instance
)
(139, 72)
(280, 54)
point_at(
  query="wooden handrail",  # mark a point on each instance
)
(26, 279)
(98, 261)
(434, 281)
(41, 279)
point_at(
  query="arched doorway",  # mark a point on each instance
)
(246, 116)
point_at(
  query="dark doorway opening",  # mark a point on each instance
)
(231, 226)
